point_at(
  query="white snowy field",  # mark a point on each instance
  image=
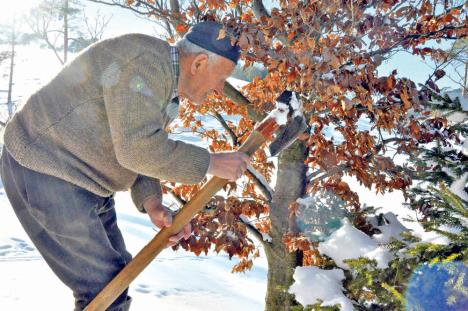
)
(173, 281)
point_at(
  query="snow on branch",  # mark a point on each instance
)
(261, 183)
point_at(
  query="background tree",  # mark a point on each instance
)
(440, 166)
(329, 53)
(62, 26)
(9, 37)
(4, 55)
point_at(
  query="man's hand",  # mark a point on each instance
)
(228, 165)
(161, 217)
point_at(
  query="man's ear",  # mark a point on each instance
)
(199, 63)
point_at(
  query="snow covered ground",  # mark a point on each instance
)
(173, 281)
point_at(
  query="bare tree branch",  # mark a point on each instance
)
(415, 36)
(155, 11)
(334, 170)
(226, 127)
(235, 141)
(237, 97)
(253, 230)
(259, 9)
(52, 47)
(175, 6)
(96, 27)
(264, 189)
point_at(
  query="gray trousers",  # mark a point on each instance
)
(74, 230)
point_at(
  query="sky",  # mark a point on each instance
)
(9, 9)
(123, 21)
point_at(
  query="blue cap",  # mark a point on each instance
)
(205, 35)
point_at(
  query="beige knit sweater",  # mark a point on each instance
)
(99, 124)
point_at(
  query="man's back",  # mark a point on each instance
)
(63, 130)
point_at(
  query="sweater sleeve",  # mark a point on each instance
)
(133, 106)
(142, 188)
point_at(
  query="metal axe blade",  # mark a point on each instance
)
(295, 124)
(287, 134)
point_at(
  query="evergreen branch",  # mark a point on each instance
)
(452, 236)
(394, 292)
(451, 198)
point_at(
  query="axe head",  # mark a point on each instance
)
(295, 125)
(287, 134)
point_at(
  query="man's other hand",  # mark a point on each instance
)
(161, 217)
(228, 165)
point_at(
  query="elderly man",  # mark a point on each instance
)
(98, 128)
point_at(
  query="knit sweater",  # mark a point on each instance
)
(100, 123)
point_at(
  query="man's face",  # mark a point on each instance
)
(208, 76)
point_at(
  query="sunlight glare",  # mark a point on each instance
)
(12, 9)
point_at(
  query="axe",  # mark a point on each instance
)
(262, 133)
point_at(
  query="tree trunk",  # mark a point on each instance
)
(12, 65)
(65, 31)
(464, 80)
(290, 185)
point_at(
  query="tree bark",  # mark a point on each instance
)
(290, 185)
(259, 9)
(464, 80)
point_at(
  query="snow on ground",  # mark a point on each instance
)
(173, 281)
(30, 72)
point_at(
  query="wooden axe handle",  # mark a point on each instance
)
(122, 280)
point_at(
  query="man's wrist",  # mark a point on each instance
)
(152, 201)
(210, 166)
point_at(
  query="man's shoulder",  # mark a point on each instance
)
(137, 41)
(140, 37)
